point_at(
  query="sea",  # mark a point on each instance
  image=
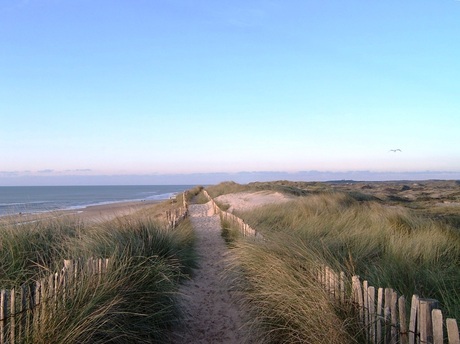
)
(37, 199)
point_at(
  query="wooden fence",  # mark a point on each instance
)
(243, 227)
(175, 216)
(23, 309)
(382, 312)
(384, 315)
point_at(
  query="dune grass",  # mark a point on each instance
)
(134, 301)
(388, 246)
(26, 249)
(283, 186)
(282, 298)
(230, 232)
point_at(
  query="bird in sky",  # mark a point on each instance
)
(395, 150)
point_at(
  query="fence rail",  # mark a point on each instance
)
(381, 311)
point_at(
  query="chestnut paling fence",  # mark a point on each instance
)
(386, 317)
(243, 227)
(175, 216)
(23, 309)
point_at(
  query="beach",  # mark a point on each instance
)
(110, 211)
(93, 214)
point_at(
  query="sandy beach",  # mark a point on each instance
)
(95, 213)
(112, 210)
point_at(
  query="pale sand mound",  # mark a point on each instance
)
(211, 315)
(250, 200)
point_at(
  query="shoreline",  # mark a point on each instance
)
(90, 213)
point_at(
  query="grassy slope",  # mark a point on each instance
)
(390, 246)
(134, 301)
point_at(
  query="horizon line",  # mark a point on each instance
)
(212, 178)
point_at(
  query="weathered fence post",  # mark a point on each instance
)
(36, 309)
(358, 296)
(414, 315)
(394, 318)
(12, 315)
(3, 315)
(387, 314)
(366, 308)
(452, 331)
(402, 320)
(24, 312)
(379, 314)
(371, 305)
(438, 335)
(426, 325)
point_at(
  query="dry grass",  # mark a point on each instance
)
(385, 242)
(388, 246)
(134, 301)
(282, 297)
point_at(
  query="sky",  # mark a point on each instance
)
(145, 89)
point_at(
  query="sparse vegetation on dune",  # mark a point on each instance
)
(226, 187)
(384, 242)
(133, 301)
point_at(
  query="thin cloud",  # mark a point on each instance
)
(45, 171)
(9, 173)
(79, 170)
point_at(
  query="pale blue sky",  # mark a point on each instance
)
(175, 87)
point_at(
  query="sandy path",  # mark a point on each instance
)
(211, 316)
